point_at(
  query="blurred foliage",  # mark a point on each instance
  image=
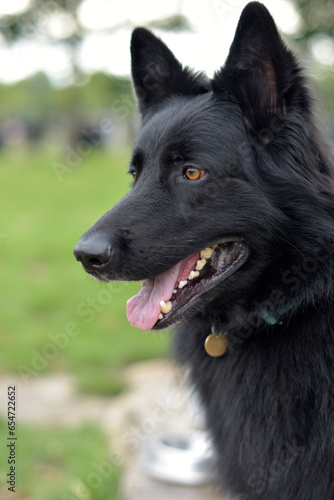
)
(35, 97)
(34, 24)
(317, 22)
(177, 22)
(23, 24)
(317, 17)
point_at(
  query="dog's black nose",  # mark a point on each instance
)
(92, 252)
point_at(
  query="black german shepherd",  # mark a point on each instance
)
(230, 225)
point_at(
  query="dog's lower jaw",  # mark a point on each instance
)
(224, 260)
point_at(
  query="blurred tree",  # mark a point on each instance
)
(57, 22)
(34, 19)
(316, 33)
(37, 22)
(317, 18)
(35, 98)
(176, 22)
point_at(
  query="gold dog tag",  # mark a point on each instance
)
(216, 345)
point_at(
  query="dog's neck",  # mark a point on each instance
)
(216, 344)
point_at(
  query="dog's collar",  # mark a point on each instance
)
(216, 344)
(275, 319)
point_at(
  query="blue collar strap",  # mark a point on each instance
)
(269, 318)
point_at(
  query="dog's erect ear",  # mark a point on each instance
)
(260, 72)
(157, 74)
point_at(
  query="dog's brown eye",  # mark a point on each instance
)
(194, 174)
(133, 175)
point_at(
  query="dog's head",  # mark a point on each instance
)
(219, 169)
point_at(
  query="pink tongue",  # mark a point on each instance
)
(144, 308)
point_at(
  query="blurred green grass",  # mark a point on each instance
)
(61, 464)
(54, 317)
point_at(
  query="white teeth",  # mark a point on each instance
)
(206, 253)
(165, 307)
(182, 284)
(200, 264)
(174, 291)
(193, 275)
(161, 316)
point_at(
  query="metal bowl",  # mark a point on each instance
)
(183, 457)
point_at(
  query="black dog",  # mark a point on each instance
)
(230, 223)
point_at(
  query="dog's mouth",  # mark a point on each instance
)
(165, 298)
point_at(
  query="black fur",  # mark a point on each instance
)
(270, 399)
